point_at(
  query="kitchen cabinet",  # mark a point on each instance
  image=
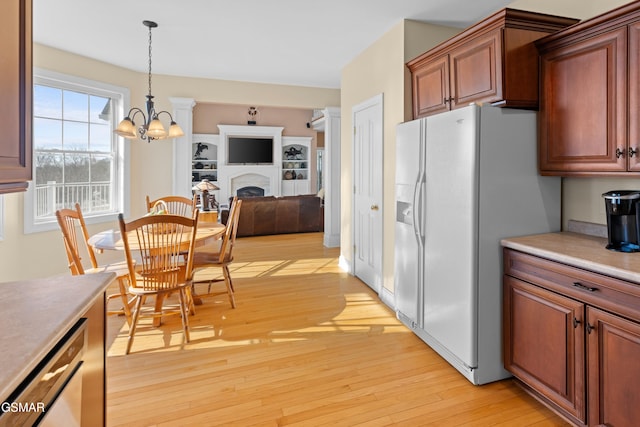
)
(590, 95)
(493, 62)
(569, 337)
(544, 348)
(15, 95)
(614, 349)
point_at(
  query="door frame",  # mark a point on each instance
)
(371, 102)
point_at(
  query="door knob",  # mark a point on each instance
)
(374, 207)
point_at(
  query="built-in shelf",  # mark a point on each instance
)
(289, 174)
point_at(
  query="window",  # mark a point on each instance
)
(76, 156)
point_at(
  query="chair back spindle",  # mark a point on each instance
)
(176, 205)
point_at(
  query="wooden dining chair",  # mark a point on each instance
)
(221, 258)
(158, 243)
(72, 220)
(176, 205)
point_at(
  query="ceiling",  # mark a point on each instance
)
(293, 42)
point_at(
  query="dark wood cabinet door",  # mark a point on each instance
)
(544, 343)
(613, 352)
(634, 97)
(476, 70)
(15, 95)
(431, 88)
(583, 106)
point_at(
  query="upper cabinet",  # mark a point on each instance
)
(590, 96)
(494, 61)
(15, 96)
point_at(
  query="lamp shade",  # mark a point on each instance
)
(156, 130)
(126, 128)
(205, 185)
(175, 130)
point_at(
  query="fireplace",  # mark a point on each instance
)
(250, 191)
(252, 184)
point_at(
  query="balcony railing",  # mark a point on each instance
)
(93, 197)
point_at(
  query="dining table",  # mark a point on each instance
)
(111, 240)
(206, 233)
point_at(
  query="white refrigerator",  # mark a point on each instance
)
(465, 179)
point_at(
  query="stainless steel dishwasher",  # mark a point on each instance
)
(51, 395)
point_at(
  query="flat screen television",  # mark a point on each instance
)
(244, 150)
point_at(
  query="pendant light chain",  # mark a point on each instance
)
(150, 61)
(151, 128)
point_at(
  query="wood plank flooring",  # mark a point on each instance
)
(307, 345)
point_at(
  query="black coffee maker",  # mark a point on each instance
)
(623, 221)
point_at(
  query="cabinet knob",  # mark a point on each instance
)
(590, 328)
(619, 153)
(632, 152)
(576, 322)
(447, 100)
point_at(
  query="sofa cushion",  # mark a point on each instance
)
(287, 215)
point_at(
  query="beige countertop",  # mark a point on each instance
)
(35, 314)
(580, 250)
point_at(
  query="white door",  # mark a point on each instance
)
(367, 200)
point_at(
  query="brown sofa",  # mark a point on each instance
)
(279, 215)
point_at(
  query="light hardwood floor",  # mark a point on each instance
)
(307, 345)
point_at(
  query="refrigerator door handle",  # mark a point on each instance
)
(417, 208)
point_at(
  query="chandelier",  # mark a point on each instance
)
(151, 128)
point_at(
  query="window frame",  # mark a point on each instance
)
(122, 96)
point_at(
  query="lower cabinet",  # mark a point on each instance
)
(295, 187)
(544, 343)
(572, 338)
(94, 384)
(614, 369)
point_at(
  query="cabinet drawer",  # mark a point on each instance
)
(614, 295)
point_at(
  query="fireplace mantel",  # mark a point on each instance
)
(274, 178)
(235, 130)
(228, 173)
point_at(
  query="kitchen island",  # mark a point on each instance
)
(35, 316)
(571, 325)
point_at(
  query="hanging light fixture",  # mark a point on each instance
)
(151, 128)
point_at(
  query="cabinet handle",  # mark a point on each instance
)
(583, 287)
(576, 322)
(632, 152)
(619, 153)
(590, 328)
(447, 100)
